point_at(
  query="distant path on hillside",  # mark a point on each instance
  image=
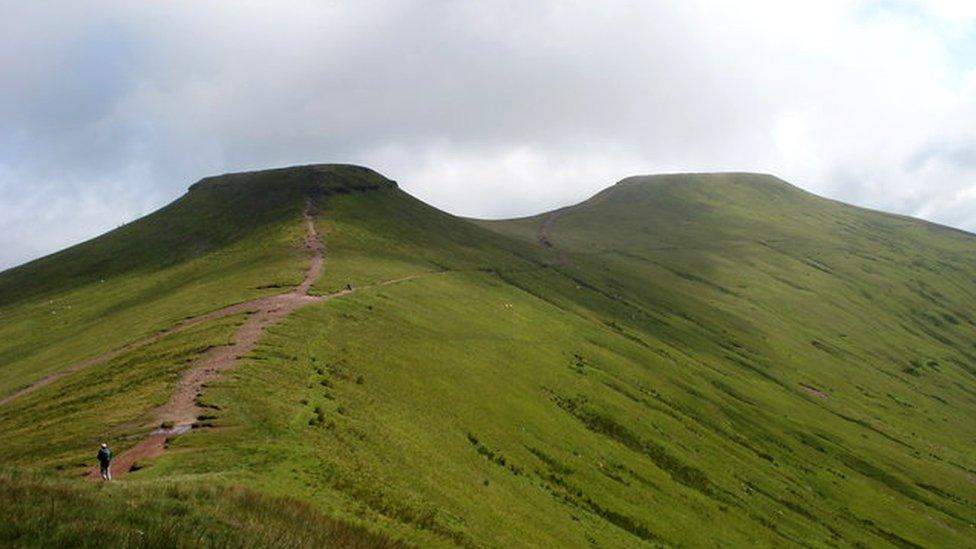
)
(545, 235)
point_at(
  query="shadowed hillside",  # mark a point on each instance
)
(699, 360)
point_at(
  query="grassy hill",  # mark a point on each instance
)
(680, 360)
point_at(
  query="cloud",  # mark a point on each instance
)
(111, 109)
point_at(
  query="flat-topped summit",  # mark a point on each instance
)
(339, 178)
(718, 181)
(727, 177)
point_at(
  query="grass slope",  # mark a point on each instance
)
(41, 512)
(715, 360)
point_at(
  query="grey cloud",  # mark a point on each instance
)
(959, 155)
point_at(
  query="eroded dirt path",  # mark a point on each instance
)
(180, 414)
(545, 235)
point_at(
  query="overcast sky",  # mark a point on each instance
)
(109, 110)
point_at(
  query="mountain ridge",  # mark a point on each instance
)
(317, 174)
(670, 365)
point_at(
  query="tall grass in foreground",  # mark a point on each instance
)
(39, 512)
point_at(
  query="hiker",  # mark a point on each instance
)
(105, 461)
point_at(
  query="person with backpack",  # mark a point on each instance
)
(105, 461)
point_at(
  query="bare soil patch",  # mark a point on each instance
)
(545, 236)
(814, 391)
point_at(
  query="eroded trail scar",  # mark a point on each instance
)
(182, 410)
(545, 236)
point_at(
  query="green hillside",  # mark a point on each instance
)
(687, 360)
